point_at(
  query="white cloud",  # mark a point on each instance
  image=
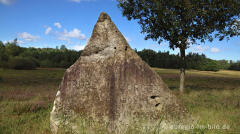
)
(7, 2)
(78, 47)
(214, 50)
(20, 42)
(58, 25)
(75, 33)
(200, 49)
(10, 41)
(78, 1)
(48, 30)
(28, 37)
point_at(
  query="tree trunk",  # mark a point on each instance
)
(182, 69)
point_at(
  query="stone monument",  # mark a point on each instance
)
(111, 86)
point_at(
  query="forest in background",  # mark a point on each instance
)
(16, 57)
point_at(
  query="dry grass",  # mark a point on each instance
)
(221, 73)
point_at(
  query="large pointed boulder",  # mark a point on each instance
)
(111, 85)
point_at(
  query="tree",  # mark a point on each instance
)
(3, 55)
(235, 66)
(12, 48)
(148, 55)
(184, 22)
(63, 48)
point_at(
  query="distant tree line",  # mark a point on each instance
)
(235, 66)
(15, 57)
(193, 61)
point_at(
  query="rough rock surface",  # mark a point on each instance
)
(111, 84)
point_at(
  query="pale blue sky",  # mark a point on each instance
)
(51, 23)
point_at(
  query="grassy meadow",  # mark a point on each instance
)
(26, 99)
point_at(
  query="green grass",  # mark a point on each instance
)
(26, 99)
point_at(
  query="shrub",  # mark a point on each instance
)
(209, 65)
(21, 63)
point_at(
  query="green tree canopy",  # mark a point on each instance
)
(184, 21)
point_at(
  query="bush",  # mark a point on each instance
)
(212, 67)
(21, 63)
(209, 65)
